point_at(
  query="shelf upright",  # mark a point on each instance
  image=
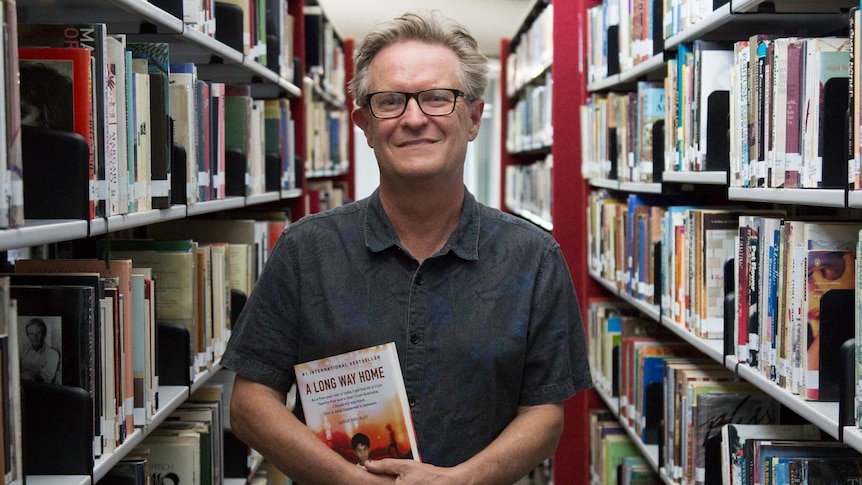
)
(568, 212)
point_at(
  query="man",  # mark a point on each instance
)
(39, 361)
(480, 304)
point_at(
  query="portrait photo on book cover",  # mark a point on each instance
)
(41, 342)
(47, 99)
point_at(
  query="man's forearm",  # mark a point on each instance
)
(528, 440)
(260, 419)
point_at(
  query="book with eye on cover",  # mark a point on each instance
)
(357, 395)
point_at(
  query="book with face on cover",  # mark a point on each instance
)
(356, 403)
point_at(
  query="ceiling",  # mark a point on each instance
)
(488, 20)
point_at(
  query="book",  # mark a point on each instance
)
(173, 457)
(106, 408)
(121, 269)
(826, 59)
(58, 347)
(158, 68)
(355, 394)
(830, 259)
(56, 93)
(734, 435)
(11, 208)
(174, 265)
(93, 38)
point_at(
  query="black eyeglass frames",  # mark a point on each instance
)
(432, 102)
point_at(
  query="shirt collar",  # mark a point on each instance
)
(464, 241)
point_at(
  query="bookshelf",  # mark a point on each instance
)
(569, 193)
(573, 179)
(216, 61)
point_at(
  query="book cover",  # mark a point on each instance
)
(93, 38)
(173, 458)
(121, 269)
(101, 408)
(56, 93)
(830, 259)
(714, 410)
(58, 344)
(358, 394)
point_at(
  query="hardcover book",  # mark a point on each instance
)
(358, 399)
(56, 93)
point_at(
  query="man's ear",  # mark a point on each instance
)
(360, 119)
(477, 107)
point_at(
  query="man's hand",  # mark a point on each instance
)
(409, 472)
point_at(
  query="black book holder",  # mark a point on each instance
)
(178, 174)
(273, 172)
(234, 180)
(834, 136)
(175, 360)
(229, 28)
(56, 175)
(56, 429)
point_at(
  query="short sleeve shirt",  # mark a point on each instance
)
(489, 323)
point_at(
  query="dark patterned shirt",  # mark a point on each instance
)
(486, 325)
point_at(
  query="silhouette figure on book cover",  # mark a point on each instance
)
(40, 360)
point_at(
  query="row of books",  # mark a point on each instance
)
(620, 35)
(792, 279)
(787, 96)
(739, 108)
(260, 29)
(532, 51)
(619, 133)
(187, 447)
(709, 426)
(324, 54)
(614, 456)
(104, 320)
(529, 188)
(142, 107)
(529, 125)
(327, 134)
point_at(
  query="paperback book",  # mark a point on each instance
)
(357, 400)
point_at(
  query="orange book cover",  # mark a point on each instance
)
(356, 403)
(56, 92)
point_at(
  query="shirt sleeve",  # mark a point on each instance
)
(556, 363)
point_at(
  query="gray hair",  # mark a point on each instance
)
(429, 27)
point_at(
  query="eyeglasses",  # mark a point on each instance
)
(432, 102)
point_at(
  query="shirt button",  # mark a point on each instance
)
(412, 402)
(419, 280)
(414, 339)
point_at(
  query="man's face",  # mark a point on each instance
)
(415, 146)
(36, 336)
